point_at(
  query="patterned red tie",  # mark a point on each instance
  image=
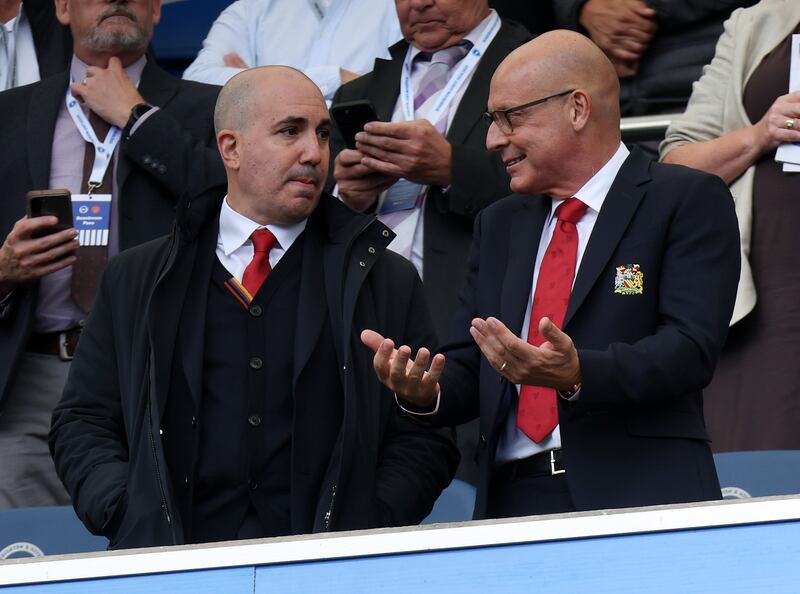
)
(258, 270)
(537, 415)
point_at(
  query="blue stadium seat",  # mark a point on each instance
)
(455, 504)
(37, 531)
(758, 474)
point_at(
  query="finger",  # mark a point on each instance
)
(42, 245)
(115, 64)
(382, 360)
(25, 226)
(643, 10)
(553, 334)
(77, 89)
(489, 347)
(623, 55)
(398, 369)
(351, 172)
(40, 259)
(349, 157)
(378, 142)
(56, 265)
(430, 380)
(398, 130)
(384, 167)
(419, 366)
(371, 339)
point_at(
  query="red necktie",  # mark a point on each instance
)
(537, 415)
(257, 271)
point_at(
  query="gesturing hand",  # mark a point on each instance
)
(553, 364)
(621, 28)
(412, 381)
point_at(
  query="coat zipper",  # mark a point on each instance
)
(327, 519)
(155, 457)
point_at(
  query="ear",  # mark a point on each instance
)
(62, 12)
(156, 11)
(580, 107)
(228, 144)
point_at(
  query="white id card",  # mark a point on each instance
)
(91, 215)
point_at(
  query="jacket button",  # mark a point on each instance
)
(162, 169)
(253, 484)
(254, 420)
(385, 233)
(186, 481)
(371, 250)
(256, 363)
(147, 159)
(194, 421)
(362, 264)
(483, 439)
(255, 310)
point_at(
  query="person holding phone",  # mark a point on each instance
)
(424, 168)
(126, 140)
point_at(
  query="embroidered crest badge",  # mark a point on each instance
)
(629, 280)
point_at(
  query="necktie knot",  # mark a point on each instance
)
(263, 241)
(451, 55)
(571, 210)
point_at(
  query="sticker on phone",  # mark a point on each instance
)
(92, 218)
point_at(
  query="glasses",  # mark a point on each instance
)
(500, 117)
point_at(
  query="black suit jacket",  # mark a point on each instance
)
(173, 152)
(385, 468)
(479, 177)
(636, 435)
(51, 39)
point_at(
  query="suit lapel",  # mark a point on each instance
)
(47, 98)
(157, 88)
(385, 87)
(618, 208)
(524, 236)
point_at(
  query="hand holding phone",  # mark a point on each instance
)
(350, 118)
(38, 245)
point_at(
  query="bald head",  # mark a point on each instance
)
(554, 146)
(559, 60)
(242, 94)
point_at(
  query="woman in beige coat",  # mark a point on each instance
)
(739, 113)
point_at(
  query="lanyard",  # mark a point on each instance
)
(457, 80)
(103, 151)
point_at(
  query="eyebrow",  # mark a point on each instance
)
(300, 120)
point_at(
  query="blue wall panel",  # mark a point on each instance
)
(701, 561)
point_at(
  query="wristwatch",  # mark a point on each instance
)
(137, 111)
(567, 394)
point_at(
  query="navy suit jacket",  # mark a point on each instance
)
(636, 434)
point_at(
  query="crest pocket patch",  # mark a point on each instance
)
(629, 280)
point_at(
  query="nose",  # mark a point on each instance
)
(495, 139)
(314, 149)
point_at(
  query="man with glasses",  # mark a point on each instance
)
(597, 301)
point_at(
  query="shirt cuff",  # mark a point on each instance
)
(417, 413)
(141, 120)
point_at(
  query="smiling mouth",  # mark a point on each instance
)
(513, 162)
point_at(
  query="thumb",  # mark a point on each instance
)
(554, 335)
(371, 340)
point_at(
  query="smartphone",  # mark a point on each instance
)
(57, 203)
(350, 118)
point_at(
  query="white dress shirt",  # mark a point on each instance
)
(235, 248)
(304, 34)
(17, 53)
(410, 234)
(513, 443)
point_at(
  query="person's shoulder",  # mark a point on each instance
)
(514, 32)
(676, 176)
(506, 208)
(132, 263)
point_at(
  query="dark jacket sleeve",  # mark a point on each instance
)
(696, 289)
(87, 437)
(184, 160)
(677, 14)
(416, 462)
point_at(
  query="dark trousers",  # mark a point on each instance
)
(512, 494)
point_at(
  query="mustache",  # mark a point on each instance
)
(305, 173)
(117, 9)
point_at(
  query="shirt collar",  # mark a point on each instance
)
(593, 193)
(133, 71)
(473, 36)
(235, 230)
